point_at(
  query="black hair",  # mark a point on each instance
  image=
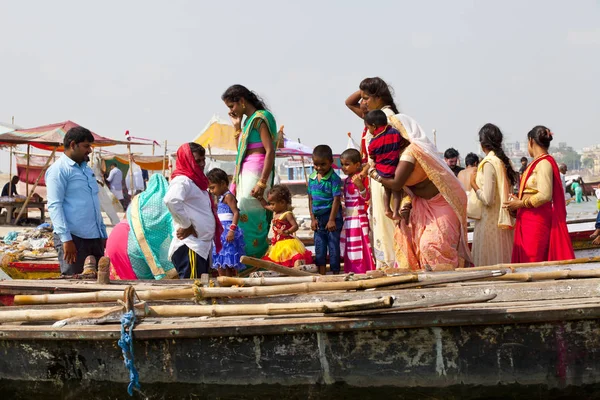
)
(77, 135)
(541, 135)
(490, 138)
(281, 193)
(471, 159)
(15, 178)
(377, 118)
(196, 148)
(235, 93)
(451, 153)
(376, 87)
(217, 175)
(351, 155)
(323, 151)
(524, 159)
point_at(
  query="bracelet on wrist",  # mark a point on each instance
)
(232, 227)
(261, 184)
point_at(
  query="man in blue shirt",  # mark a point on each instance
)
(73, 203)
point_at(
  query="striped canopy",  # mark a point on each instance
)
(48, 137)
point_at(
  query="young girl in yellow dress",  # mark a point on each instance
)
(286, 249)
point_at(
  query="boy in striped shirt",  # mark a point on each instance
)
(384, 151)
(324, 200)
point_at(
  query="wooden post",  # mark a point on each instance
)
(164, 159)
(10, 173)
(27, 170)
(131, 187)
(29, 194)
(304, 168)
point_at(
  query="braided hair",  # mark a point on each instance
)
(490, 138)
(235, 93)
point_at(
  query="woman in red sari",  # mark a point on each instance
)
(541, 232)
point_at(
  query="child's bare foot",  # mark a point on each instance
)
(389, 214)
(595, 234)
(222, 271)
(596, 242)
(298, 263)
(396, 216)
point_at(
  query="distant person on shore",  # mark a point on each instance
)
(195, 219)
(541, 232)
(73, 204)
(524, 163)
(115, 183)
(451, 157)
(562, 168)
(464, 176)
(13, 187)
(324, 202)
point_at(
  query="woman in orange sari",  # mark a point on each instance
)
(433, 235)
(541, 232)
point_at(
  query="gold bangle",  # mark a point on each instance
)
(261, 184)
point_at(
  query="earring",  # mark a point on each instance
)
(244, 106)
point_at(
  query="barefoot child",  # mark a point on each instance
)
(227, 261)
(324, 201)
(384, 151)
(354, 243)
(286, 249)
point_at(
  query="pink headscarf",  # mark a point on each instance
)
(186, 166)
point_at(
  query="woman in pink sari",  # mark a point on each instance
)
(433, 233)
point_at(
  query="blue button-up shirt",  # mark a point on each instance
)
(73, 203)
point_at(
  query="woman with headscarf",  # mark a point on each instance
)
(541, 232)
(138, 247)
(195, 220)
(254, 169)
(375, 94)
(434, 234)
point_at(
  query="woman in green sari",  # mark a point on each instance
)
(256, 142)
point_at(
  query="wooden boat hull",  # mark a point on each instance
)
(532, 337)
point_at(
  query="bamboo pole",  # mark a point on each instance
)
(131, 187)
(426, 303)
(38, 315)
(164, 159)
(24, 207)
(431, 280)
(550, 275)
(255, 262)
(214, 292)
(226, 281)
(27, 170)
(584, 260)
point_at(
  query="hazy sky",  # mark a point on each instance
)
(158, 69)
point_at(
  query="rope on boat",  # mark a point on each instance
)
(126, 341)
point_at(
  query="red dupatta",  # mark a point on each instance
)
(186, 166)
(561, 247)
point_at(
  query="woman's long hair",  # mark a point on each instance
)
(490, 138)
(235, 93)
(376, 87)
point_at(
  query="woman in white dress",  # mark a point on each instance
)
(492, 185)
